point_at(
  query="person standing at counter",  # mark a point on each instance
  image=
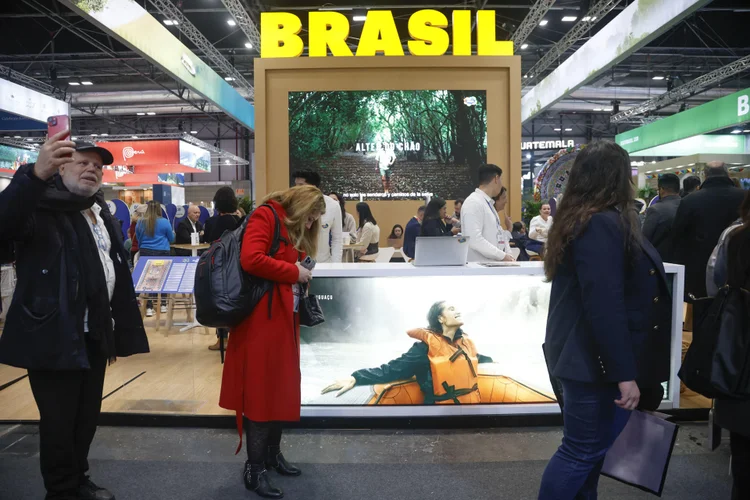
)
(368, 233)
(733, 267)
(155, 236)
(348, 224)
(396, 238)
(261, 380)
(433, 223)
(331, 244)
(608, 328)
(187, 226)
(413, 228)
(480, 222)
(541, 224)
(426, 360)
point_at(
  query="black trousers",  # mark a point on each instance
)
(740, 446)
(69, 405)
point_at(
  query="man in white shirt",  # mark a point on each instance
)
(330, 237)
(480, 222)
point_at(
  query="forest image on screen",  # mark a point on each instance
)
(404, 144)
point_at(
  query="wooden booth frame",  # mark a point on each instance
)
(499, 77)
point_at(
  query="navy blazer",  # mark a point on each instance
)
(609, 319)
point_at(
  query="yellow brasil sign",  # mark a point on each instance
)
(427, 29)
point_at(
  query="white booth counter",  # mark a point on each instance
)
(369, 309)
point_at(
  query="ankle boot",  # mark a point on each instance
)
(277, 462)
(256, 479)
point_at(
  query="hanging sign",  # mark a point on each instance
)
(428, 29)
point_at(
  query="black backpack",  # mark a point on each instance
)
(224, 293)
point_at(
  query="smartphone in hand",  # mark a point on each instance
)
(58, 123)
(308, 263)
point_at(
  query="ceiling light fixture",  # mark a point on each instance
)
(598, 109)
(75, 84)
(524, 46)
(586, 19)
(86, 82)
(168, 22)
(94, 135)
(248, 45)
(134, 137)
(736, 131)
(229, 78)
(658, 78)
(569, 19)
(151, 113)
(558, 129)
(193, 131)
(607, 109)
(543, 22)
(359, 18)
(141, 114)
(17, 137)
(528, 156)
(226, 162)
(231, 22)
(105, 135)
(568, 129)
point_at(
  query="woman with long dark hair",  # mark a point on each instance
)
(368, 233)
(608, 329)
(396, 238)
(433, 223)
(733, 268)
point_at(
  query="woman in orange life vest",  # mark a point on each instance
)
(442, 349)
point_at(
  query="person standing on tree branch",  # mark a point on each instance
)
(74, 309)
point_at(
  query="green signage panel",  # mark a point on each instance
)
(730, 110)
(700, 144)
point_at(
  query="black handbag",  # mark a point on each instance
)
(717, 364)
(310, 312)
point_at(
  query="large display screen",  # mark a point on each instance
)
(11, 157)
(390, 144)
(382, 324)
(195, 157)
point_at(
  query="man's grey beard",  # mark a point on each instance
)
(85, 191)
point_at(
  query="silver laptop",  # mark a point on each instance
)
(441, 251)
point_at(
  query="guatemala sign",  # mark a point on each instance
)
(428, 29)
(727, 111)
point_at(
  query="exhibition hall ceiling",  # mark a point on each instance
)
(45, 40)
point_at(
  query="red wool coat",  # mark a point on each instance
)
(262, 367)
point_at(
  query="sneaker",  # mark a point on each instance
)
(149, 312)
(164, 309)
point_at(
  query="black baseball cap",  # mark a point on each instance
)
(85, 147)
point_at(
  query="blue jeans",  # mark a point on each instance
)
(592, 422)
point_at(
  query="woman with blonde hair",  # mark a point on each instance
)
(261, 380)
(155, 235)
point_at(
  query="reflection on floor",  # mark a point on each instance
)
(179, 376)
(488, 464)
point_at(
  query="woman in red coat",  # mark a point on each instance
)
(261, 378)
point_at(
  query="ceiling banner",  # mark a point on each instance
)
(638, 24)
(170, 156)
(132, 25)
(724, 112)
(29, 103)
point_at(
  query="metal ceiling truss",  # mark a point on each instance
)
(170, 11)
(71, 27)
(685, 91)
(242, 17)
(531, 21)
(32, 83)
(595, 14)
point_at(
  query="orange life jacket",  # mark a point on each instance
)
(453, 366)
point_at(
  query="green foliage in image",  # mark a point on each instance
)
(90, 6)
(530, 210)
(325, 124)
(647, 193)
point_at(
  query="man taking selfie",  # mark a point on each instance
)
(74, 309)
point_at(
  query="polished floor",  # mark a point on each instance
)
(199, 464)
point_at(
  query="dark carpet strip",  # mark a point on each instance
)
(8, 384)
(123, 385)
